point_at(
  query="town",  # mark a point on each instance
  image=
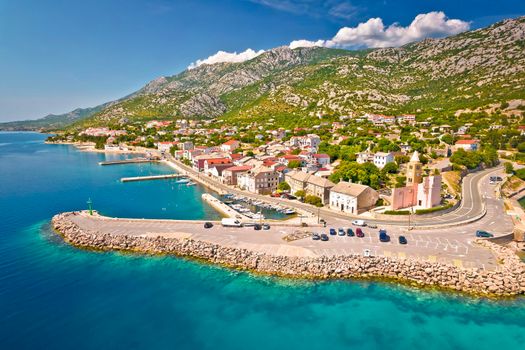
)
(390, 165)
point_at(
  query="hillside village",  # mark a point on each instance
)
(389, 164)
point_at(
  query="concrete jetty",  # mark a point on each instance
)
(266, 252)
(127, 161)
(152, 177)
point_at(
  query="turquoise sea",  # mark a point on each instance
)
(54, 296)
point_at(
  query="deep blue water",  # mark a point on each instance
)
(54, 296)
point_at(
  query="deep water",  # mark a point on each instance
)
(54, 296)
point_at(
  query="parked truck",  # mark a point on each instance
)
(230, 222)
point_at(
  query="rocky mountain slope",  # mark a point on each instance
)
(477, 70)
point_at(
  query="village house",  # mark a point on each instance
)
(310, 141)
(467, 145)
(310, 184)
(215, 166)
(381, 159)
(230, 146)
(260, 180)
(164, 147)
(352, 198)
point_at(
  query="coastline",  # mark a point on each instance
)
(507, 281)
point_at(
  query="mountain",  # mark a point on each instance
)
(52, 121)
(480, 70)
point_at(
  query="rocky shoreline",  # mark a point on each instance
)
(507, 281)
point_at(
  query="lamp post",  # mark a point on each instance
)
(90, 206)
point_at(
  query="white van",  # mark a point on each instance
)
(359, 223)
(229, 222)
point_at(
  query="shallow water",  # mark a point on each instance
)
(58, 297)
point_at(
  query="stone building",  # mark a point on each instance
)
(352, 198)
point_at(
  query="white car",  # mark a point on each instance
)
(359, 223)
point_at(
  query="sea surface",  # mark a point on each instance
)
(53, 296)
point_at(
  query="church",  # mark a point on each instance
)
(422, 192)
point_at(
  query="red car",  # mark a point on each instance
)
(359, 233)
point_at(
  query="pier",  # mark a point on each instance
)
(152, 177)
(128, 161)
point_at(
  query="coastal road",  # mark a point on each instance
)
(472, 205)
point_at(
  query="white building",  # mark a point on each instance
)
(352, 198)
(310, 141)
(381, 159)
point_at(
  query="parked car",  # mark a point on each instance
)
(483, 234)
(316, 236)
(277, 195)
(333, 232)
(257, 227)
(208, 224)
(341, 232)
(359, 223)
(350, 232)
(359, 233)
(402, 240)
(265, 226)
(383, 236)
(324, 237)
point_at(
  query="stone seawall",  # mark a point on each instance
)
(508, 280)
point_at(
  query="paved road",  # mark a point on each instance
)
(443, 246)
(472, 204)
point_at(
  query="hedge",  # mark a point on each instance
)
(396, 212)
(432, 210)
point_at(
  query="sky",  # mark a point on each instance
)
(58, 55)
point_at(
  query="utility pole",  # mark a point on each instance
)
(90, 206)
(318, 213)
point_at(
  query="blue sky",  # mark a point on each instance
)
(59, 55)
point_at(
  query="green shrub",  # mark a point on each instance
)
(396, 212)
(433, 210)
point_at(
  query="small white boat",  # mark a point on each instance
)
(258, 216)
(191, 183)
(182, 181)
(289, 211)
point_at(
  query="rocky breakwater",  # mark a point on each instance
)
(508, 280)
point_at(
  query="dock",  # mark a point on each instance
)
(152, 177)
(128, 161)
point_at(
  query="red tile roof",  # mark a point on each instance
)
(466, 142)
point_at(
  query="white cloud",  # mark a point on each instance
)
(223, 56)
(373, 32)
(306, 43)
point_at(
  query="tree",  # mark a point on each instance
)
(390, 168)
(284, 186)
(509, 168)
(521, 147)
(314, 200)
(300, 193)
(250, 154)
(293, 164)
(447, 138)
